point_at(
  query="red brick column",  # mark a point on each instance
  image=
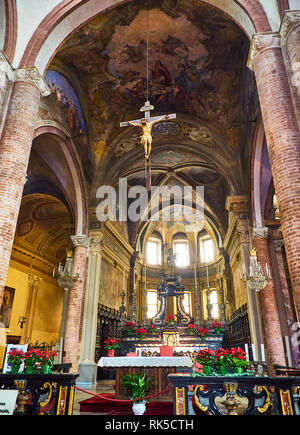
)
(15, 147)
(290, 40)
(269, 308)
(75, 305)
(283, 140)
(6, 76)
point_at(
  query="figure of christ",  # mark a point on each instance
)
(146, 138)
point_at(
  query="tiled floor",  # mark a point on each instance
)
(100, 387)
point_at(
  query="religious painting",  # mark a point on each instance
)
(197, 63)
(63, 106)
(111, 285)
(7, 304)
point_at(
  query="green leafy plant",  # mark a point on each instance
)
(137, 386)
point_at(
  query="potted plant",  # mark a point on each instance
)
(202, 332)
(31, 357)
(15, 359)
(191, 329)
(153, 330)
(129, 327)
(171, 320)
(222, 361)
(47, 358)
(110, 345)
(238, 360)
(205, 358)
(218, 327)
(136, 387)
(142, 333)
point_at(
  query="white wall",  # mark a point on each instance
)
(2, 24)
(271, 9)
(294, 5)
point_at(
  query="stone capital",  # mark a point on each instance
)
(261, 42)
(237, 204)
(5, 66)
(34, 280)
(261, 233)
(80, 240)
(32, 75)
(290, 20)
(96, 243)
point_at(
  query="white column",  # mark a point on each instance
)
(87, 364)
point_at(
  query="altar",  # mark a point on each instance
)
(158, 368)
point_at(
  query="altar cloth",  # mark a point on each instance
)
(159, 361)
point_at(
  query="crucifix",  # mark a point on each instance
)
(146, 124)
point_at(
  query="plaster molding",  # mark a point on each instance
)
(5, 66)
(80, 240)
(290, 20)
(260, 43)
(261, 233)
(33, 76)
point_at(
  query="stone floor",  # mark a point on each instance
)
(100, 387)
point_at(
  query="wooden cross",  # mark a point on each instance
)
(147, 110)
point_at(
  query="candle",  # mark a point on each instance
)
(53, 273)
(207, 276)
(247, 351)
(145, 277)
(253, 352)
(263, 356)
(195, 276)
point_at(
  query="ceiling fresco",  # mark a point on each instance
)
(197, 63)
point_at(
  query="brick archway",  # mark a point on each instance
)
(72, 14)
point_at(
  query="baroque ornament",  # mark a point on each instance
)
(32, 75)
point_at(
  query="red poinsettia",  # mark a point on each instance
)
(238, 357)
(171, 319)
(129, 326)
(15, 357)
(218, 327)
(32, 356)
(191, 329)
(205, 356)
(202, 332)
(47, 356)
(111, 343)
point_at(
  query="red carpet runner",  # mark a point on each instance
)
(118, 407)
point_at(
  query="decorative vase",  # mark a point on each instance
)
(222, 370)
(46, 369)
(15, 369)
(207, 370)
(139, 408)
(238, 370)
(111, 353)
(29, 369)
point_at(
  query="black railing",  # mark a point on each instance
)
(51, 394)
(222, 395)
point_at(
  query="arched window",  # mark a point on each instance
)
(181, 249)
(206, 247)
(186, 303)
(213, 300)
(153, 251)
(152, 303)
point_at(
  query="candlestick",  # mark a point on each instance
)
(195, 273)
(247, 351)
(207, 276)
(145, 277)
(263, 356)
(253, 352)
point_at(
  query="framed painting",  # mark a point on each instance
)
(7, 304)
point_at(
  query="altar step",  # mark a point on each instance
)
(119, 407)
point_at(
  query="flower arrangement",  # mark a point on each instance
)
(238, 360)
(141, 333)
(170, 320)
(110, 344)
(202, 332)
(129, 327)
(47, 358)
(191, 329)
(31, 357)
(205, 358)
(222, 360)
(15, 359)
(218, 327)
(153, 330)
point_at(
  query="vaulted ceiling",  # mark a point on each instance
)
(197, 69)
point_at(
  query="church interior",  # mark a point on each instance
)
(222, 78)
